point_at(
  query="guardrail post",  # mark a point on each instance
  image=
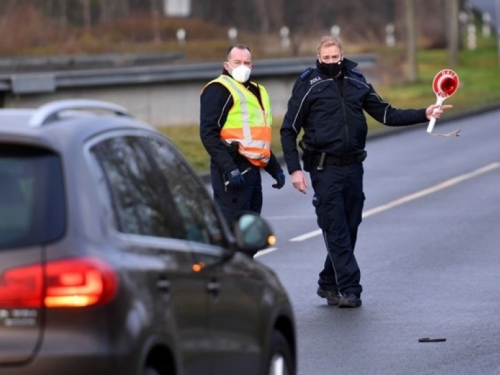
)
(471, 36)
(181, 36)
(390, 40)
(335, 30)
(232, 34)
(285, 37)
(486, 25)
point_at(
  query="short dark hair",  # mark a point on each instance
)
(238, 46)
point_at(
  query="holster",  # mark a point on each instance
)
(232, 148)
(307, 161)
(307, 156)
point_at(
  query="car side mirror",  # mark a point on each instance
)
(252, 233)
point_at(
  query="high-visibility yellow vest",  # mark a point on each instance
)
(247, 123)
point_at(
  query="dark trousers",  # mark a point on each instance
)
(234, 201)
(338, 199)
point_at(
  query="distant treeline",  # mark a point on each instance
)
(358, 20)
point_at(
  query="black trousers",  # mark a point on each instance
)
(338, 200)
(234, 201)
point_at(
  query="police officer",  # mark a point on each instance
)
(235, 128)
(327, 104)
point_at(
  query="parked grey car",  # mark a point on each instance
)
(114, 259)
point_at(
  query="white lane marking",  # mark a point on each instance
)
(306, 236)
(414, 196)
(264, 252)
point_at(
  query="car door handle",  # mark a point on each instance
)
(163, 286)
(213, 287)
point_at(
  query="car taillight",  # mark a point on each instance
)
(76, 282)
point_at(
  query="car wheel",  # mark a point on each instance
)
(280, 357)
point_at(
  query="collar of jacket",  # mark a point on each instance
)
(347, 66)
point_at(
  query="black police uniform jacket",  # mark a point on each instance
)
(330, 112)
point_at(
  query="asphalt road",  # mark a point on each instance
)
(429, 252)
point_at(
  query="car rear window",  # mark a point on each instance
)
(32, 208)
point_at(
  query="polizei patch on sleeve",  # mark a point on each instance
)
(306, 73)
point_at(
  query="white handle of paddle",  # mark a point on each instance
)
(430, 127)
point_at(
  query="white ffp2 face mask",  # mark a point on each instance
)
(241, 73)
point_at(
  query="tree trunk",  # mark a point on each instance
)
(263, 15)
(411, 43)
(155, 14)
(104, 10)
(453, 32)
(63, 14)
(87, 20)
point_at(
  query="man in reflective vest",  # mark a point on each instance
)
(235, 129)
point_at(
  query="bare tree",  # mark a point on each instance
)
(5, 6)
(453, 35)
(411, 43)
(87, 18)
(113, 9)
(63, 13)
(155, 14)
(263, 14)
(104, 10)
(275, 10)
(361, 21)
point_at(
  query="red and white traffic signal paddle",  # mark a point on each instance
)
(445, 84)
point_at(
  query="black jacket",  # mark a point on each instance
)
(215, 103)
(331, 114)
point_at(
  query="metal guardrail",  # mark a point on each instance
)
(30, 83)
(38, 64)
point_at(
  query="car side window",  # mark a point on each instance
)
(142, 201)
(193, 202)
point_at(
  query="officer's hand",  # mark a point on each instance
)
(280, 180)
(235, 178)
(299, 181)
(436, 110)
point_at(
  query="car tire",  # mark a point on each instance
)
(280, 359)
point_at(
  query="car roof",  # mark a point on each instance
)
(56, 124)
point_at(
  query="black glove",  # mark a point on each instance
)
(280, 180)
(235, 178)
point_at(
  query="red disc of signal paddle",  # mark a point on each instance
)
(445, 83)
